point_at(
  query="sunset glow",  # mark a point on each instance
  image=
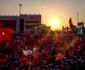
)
(54, 23)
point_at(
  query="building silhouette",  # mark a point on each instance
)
(21, 23)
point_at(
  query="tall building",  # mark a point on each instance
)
(22, 23)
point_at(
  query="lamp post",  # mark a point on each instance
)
(20, 5)
(77, 17)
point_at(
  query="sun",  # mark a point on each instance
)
(54, 23)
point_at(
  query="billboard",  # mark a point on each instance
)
(80, 28)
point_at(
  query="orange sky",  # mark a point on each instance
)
(61, 9)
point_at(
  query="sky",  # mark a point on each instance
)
(60, 9)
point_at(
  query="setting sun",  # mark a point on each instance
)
(54, 23)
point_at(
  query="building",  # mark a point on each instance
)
(80, 28)
(23, 23)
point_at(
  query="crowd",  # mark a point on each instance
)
(58, 51)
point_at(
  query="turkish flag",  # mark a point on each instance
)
(6, 33)
(71, 24)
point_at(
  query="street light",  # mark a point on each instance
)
(20, 5)
(77, 17)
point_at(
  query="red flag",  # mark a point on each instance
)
(78, 48)
(60, 56)
(71, 24)
(1, 24)
(6, 33)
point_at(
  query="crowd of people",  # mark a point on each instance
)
(57, 51)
